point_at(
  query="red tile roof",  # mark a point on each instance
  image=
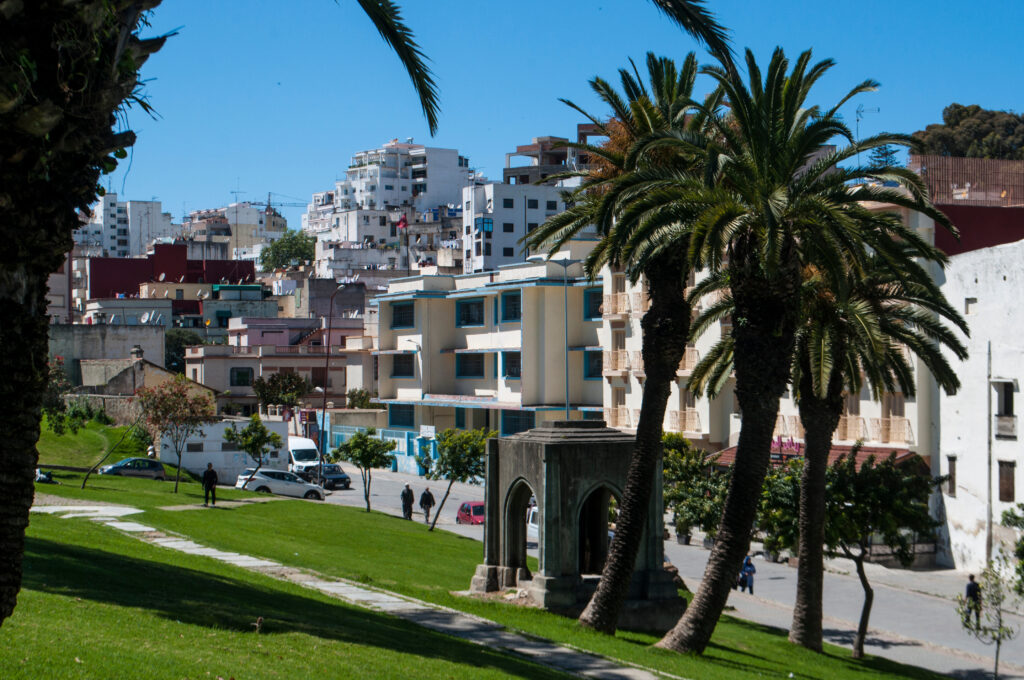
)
(727, 457)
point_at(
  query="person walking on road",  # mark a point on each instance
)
(426, 503)
(747, 575)
(209, 486)
(407, 501)
(973, 597)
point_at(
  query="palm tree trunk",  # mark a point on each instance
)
(763, 335)
(820, 418)
(23, 332)
(865, 612)
(665, 328)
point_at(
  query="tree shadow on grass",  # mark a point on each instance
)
(211, 600)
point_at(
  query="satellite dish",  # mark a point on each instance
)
(182, 279)
(167, 293)
(199, 294)
(144, 318)
(161, 277)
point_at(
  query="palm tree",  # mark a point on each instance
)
(773, 201)
(849, 337)
(604, 196)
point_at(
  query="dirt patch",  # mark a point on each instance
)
(49, 499)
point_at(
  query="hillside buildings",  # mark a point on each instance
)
(124, 228)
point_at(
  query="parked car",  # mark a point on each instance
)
(281, 483)
(471, 512)
(335, 478)
(532, 525)
(135, 467)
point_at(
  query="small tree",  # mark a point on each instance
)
(281, 388)
(256, 440)
(884, 156)
(876, 500)
(991, 628)
(58, 417)
(365, 452)
(693, 489)
(1015, 518)
(460, 458)
(294, 248)
(357, 397)
(172, 409)
(779, 515)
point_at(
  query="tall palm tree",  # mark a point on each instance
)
(602, 199)
(774, 200)
(849, 337)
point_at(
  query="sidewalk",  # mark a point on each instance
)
(434, 617)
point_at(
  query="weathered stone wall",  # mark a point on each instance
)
(75, 342)
(122, 410)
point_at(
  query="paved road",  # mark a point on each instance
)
(913, 619)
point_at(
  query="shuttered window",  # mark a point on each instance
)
(951, 475)
(1007, 472)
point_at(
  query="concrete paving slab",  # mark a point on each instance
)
(87, 511)
(131, 527)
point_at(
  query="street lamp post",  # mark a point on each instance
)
(324, 438)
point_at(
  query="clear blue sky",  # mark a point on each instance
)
(265, 95)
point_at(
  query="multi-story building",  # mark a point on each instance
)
(507, 349)
(124, 228)
(547, 156)
(244, 224)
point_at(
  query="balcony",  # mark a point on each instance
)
(616, 363)
(691, 357)
(617, 417)
(1006, 427)
(851, 428)
(892, 430)
(616, 306)
(641, 303)
(687, 421)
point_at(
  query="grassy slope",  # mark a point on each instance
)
(404, 557)
(86, 447)
(98, 604)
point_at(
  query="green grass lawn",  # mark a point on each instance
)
(86, 447)
(402, 556)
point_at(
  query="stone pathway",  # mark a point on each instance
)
(440, 619)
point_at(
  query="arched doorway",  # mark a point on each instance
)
(594, 519)
(517, 506)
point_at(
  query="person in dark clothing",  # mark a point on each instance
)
(747, 575)
(209, 485)
(426, 503)
(407, 502)
(973, 597)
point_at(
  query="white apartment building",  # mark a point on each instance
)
(396, 174)
(980, 448)
(494, 349)
(496, 216)
(246, 224)
(124, 228)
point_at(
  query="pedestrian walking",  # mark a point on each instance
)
(973, 597)
(747, 572)
(209, 486)
(426, 503)
(407, 501)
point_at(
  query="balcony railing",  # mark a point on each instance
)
(687, 420)
(616, 361)
(617, 416)
(1006, 426)
(691, 357)
(641, 303)
(615, 305)
(636, 363)
(892, 430)
(851, 428)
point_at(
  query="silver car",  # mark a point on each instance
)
(281, 483)
(135, 467)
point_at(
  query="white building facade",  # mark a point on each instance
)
(124, 228)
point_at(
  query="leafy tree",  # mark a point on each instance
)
(460, 458)
(59, 418)
(175, 342)
(295, 247)
(366, 452)
(693, 489)
(884, 156)
(877, 500)
(256, 440)
(174, 410)
(992, 627)
(975, 132)
(778, 518)
(1015, 518)
(285, 389)
(357, 397)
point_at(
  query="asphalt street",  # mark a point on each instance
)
(913, 619)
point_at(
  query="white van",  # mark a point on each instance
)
(303, 456)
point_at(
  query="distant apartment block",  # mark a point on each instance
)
(546, 156)
(124, 228)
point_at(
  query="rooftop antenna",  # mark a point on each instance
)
(861, 110)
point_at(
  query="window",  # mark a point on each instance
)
(195, 447)
(469, 312)
(403, 366)
(970, 305)
(592, 304)
(487, 249)
(318, 376)
(1007, 472)
(512, 306)
(552, 205)
(389, 187)
(460, 418)
(531, 226)
(592, 365)
(512, 366)
(951, 476)
(241, 377)
(484, 224)
(195, 374)
(1005, 399)
(508, 252)
(403, 315)
(179, 294)
(383, 221)
(401, 415)
(516, 421)
(508, 227)
(508, 203)
(469, 365)
(531, 203)
(478, 248)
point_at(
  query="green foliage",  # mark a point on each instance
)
(460, 458)
(255, 439)
(357, 397)
(281, 388)
(884, 156)
(779, 512)
(366, 452)
(292, 249)
(1015, 518)
(992, 627)
(175, 342)
(58, 417)
(975, 132)
(694, 489)
(175, 410)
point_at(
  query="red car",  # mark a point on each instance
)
(470, 513)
